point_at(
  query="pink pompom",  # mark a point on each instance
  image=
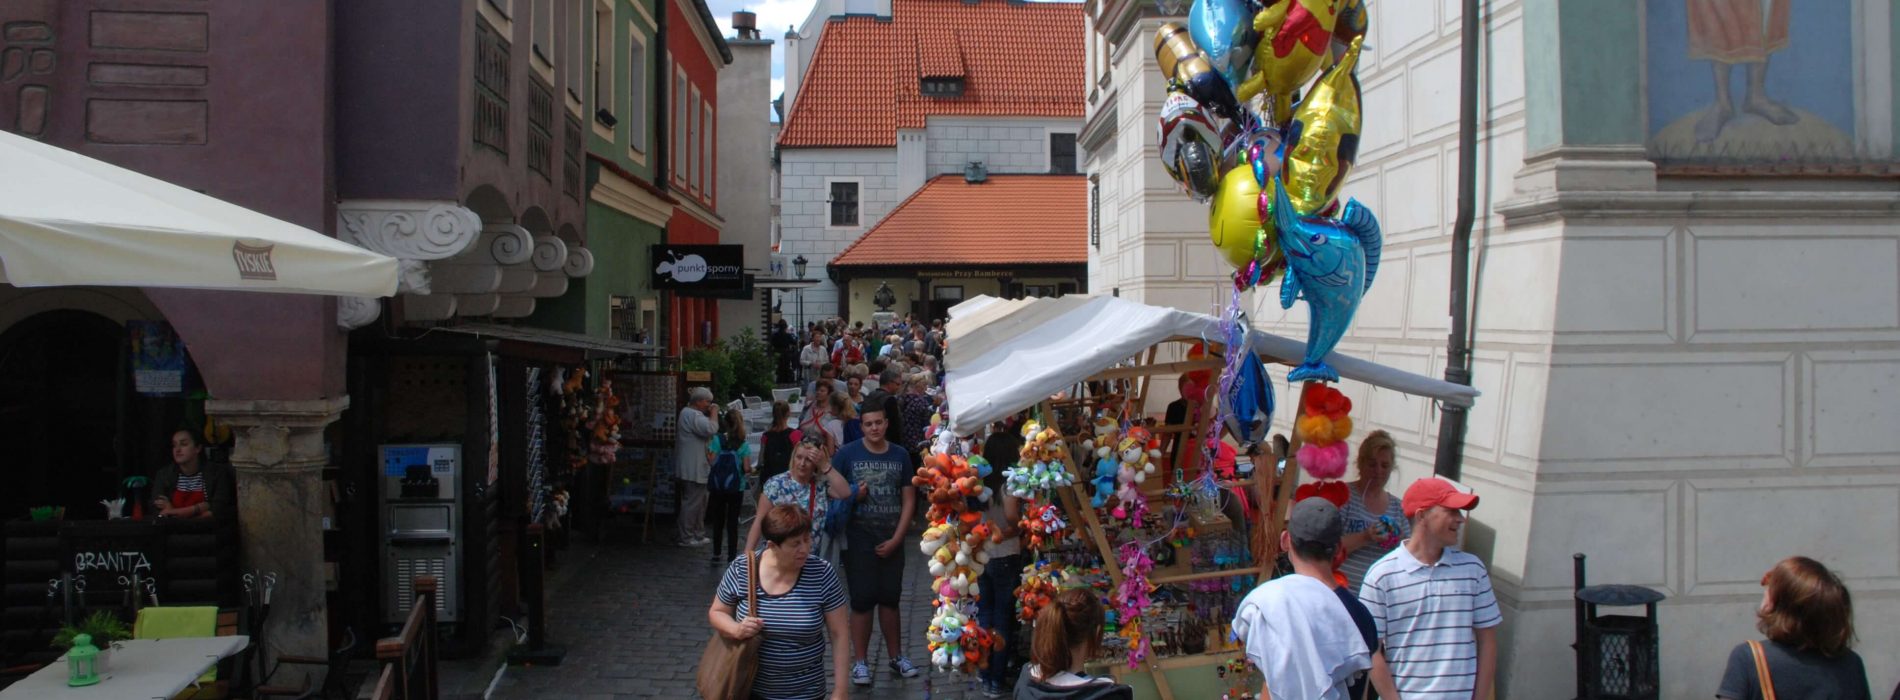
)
(1324, 462)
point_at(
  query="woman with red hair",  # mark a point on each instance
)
(1808, 617)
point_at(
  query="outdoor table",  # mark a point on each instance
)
(140, 669)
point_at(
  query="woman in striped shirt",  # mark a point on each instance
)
(801, 602)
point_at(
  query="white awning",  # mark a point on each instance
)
(1008, 355)
(66, 219)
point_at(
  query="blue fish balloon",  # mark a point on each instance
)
(1224, 31)
(1330, 264)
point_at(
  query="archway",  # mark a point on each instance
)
(69, 416)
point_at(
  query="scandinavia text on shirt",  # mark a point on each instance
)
(792, 655)
(1427, 617)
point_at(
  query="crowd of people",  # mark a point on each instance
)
(1380, 599)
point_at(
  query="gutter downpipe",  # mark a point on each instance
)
(1449, 461)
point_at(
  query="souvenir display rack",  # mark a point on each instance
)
(1197, 580)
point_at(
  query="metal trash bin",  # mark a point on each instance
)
(1617, 655)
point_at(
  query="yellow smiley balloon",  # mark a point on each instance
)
(1233, 222)
(1324, 137)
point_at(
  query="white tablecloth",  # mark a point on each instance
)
(140, 669)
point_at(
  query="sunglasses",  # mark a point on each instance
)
(815, 438)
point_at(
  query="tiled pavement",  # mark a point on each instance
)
(633, 619)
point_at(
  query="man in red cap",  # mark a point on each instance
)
(1432, 602)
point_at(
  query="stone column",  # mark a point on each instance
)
(279, 460)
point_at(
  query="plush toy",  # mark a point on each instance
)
(1323, 427)
(1105, 470)
(1042, 525)
(1131, 600)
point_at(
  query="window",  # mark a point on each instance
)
(694, 127)
(1095, 213)
(636, 90)
(952, 292)
(707, 157)
(571, 56)
(541, 22)
(941, 87)
(604, 68)
(1039, 290)
(1062, 154)
(844, 203)
(678, 156)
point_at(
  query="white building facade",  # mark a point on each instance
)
(1690, 363)
(840, 171)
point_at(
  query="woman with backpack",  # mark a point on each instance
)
(730, 457)
(776, 443)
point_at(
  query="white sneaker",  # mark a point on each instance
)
(860, 673)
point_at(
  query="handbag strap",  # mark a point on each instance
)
(1761, 670)
(752, 583)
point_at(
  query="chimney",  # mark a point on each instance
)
(975, 173)
(745, 24)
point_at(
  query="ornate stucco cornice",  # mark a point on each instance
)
(409, 229)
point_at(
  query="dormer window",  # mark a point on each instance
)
(942, 87)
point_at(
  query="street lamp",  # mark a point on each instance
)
(798, 268)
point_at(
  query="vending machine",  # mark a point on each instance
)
(421, 510)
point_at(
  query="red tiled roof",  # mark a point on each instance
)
(1016, 59)
(1008, 220)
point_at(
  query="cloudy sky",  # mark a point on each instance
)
(774, 17)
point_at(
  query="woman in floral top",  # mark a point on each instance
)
(799, 487)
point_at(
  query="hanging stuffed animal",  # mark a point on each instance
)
(1323, 427)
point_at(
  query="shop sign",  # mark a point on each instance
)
(701, 268)
(944, 274)
(253, 261)
(158, 358)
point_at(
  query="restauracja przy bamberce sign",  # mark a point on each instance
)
(702, 270)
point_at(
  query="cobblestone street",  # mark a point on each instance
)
(633, 619)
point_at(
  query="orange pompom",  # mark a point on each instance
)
(1342, 427)
(1316, 430)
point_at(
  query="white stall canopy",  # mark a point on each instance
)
(66, 219)
(1008, 355)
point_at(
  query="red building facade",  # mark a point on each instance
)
(695, 53)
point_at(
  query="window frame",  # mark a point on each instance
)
(639, 105)
(541, 18)
(858, 214)
(573, 57)
(603, 71)
(708, 132)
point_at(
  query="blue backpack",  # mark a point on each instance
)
(726, 476)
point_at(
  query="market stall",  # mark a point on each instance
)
(1162, 545)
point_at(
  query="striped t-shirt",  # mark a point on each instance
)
(1426, 617)
(792, 655)
(1358, 518)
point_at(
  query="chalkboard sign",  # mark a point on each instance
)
(103, 551)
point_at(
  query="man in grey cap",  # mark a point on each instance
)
(1306, 634)
(690, 442)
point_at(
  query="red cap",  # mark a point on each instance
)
(1437, 491)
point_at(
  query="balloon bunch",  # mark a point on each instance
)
(956, 542)
(1231, 132)
(1131, 599)
(1323, 427)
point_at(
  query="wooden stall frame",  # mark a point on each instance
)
(1274, 501)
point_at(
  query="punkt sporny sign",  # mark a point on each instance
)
(698, 267)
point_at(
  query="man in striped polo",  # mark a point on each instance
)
(1432, 603)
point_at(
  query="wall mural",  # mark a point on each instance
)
(1768, 86)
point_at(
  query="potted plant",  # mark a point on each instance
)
(105, 629)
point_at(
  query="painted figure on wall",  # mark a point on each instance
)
(1728, 32)
(1758, 85)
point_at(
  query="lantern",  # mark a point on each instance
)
(82, 662)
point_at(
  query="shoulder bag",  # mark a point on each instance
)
(1761, 670)
(726, 667)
